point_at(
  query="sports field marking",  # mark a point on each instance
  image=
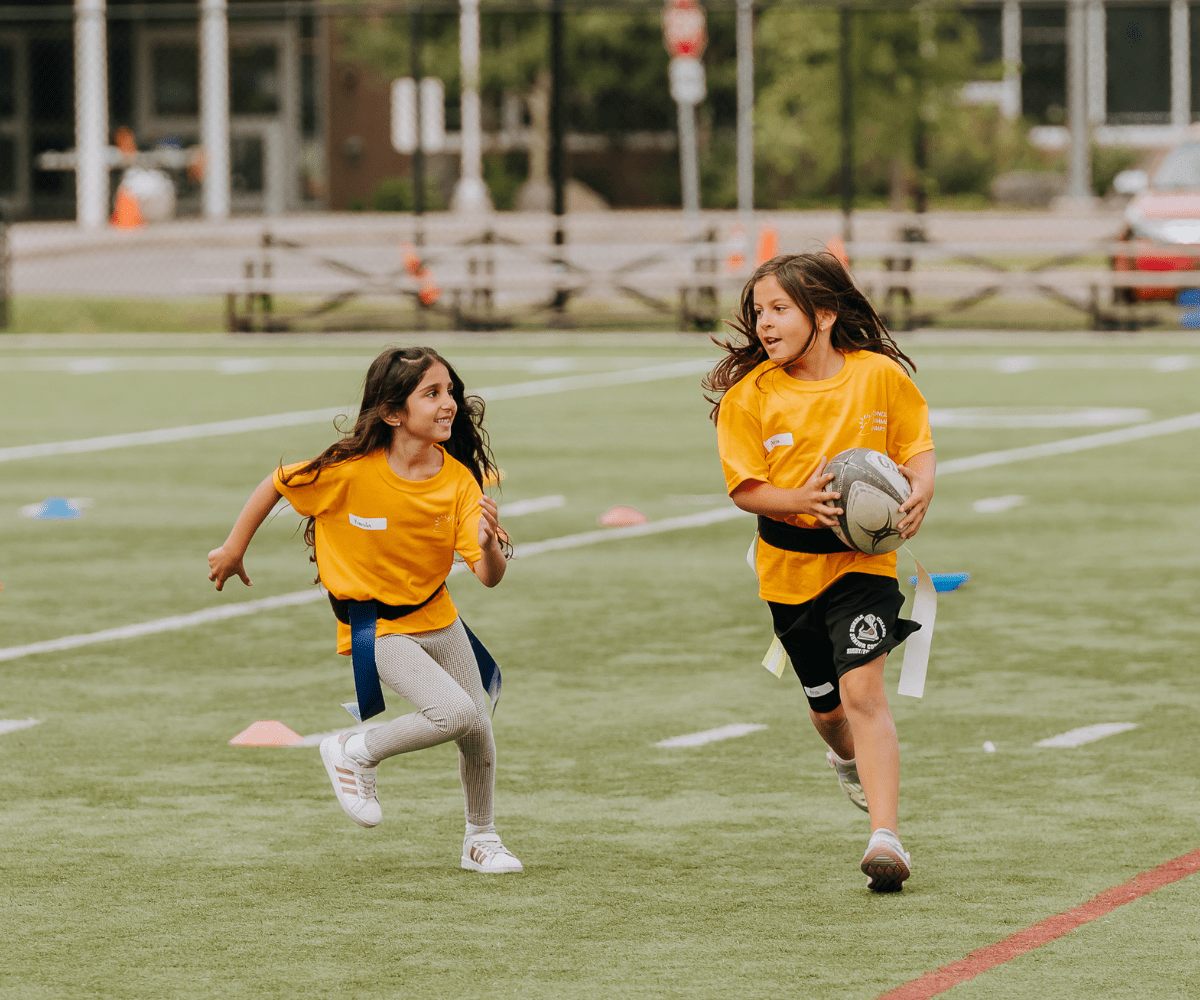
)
(220, 613)
(75, 364)
(1050, 929)
(1126, 434)
(1015, 364)
(1086, 734)
(535, 505)
(517, 390)
(1008, 417)
(997, 505)
(711, 735)
(12, 725)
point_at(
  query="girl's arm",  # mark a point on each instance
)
(774, 501)
(490, 569)
(227, 560)
(919, 472)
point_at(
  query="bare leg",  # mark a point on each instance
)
(835, 731)
(874, 735)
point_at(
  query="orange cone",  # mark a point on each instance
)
(621, 516)
(836, 247)
(266, 734)
(127, 214)
(768, 244)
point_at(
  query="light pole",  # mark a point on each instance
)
(470, 193)
(745, 107)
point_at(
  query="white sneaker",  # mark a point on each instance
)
(886, 864)
(353, 781)
(485, 853)
(848, 778)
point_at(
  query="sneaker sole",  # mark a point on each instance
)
(885, 871)
(327, 760)
(474, 866)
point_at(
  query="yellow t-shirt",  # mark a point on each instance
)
(774, 428)
(387, 538)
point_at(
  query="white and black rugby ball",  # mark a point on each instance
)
(872, 489)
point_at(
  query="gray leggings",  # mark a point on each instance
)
(437, 672)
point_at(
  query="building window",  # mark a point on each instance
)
(8, 81)
(176, 80)
(986, 22)
(246, 164)
(254, 79)
(1044, 63)
(1139, 65)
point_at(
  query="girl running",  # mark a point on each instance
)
(818, 373)
(387, 508)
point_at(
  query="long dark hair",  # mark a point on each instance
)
(391, 379)
(815, 282)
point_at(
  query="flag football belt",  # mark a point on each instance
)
(780, 535)
(363, 617)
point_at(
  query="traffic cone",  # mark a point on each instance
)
(836, 247)
(768, 244)
(621, 516)
(127, 214)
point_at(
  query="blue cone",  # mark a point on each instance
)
(57, 509)
(944, 582)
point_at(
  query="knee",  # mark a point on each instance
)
(454, 717)
(864, 695)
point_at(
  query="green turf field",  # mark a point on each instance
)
(141, 856)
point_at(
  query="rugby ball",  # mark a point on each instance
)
(872, 489)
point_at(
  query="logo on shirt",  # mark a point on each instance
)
(444, 521)
(776, 441)
(866, 632)
(876, 420)
(369, 523)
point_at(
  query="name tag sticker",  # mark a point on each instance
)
(369, 523)
(774, 442)
(775, 660)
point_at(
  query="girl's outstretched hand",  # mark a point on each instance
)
(489, 523)
(222, 565)
(913, 509)
(814, 499)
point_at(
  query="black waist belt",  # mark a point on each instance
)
(361, 616)
(780, 535)
(388, 612)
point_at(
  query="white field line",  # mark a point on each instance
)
(536, 387)
(711, 735)
(519, 508)
(996, 505)
(1064, 447)
(1015, 364)
(1005, 417)
(78, 364)
(209, 615)
(1086, 734)
(12, 725)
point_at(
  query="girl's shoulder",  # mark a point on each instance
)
(750, 385)
(872, 362)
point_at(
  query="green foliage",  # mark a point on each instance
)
(504, 173)
(906, 66)
(1108, 161)
(395, 194)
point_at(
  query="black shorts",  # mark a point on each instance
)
(853, 621)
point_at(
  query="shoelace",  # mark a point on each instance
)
(366, 784)
(489, 849)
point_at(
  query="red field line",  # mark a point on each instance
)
(949, 976)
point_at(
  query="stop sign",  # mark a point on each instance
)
(684, 30)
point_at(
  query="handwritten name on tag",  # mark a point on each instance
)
(779, 439)
(369, 523)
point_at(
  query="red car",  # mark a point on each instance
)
(1165, 209)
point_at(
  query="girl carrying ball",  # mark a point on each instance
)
(812, 372)
(388, 506)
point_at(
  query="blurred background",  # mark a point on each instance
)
(299, 164)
